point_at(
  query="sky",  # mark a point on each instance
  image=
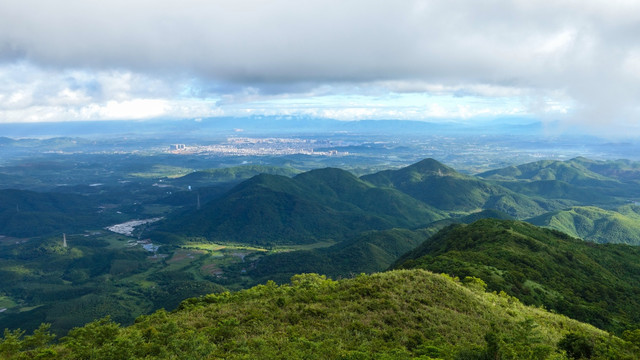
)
(572, 63)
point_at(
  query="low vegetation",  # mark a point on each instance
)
(404, 314)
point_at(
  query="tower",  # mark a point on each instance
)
(64, 240)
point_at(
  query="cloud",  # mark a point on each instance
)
(583, 53)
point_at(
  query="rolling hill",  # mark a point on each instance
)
(369, 252)
(444, 188)
(588, 182)
(27, 213)
(595, 224)
(622, 170)
(595, 283)
(319, 204)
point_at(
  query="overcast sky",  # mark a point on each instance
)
(573, 61)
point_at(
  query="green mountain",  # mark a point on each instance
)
(394, 315)
(27, 213)
(367, 253)
(595, 283)
(320, 204)
(572, 172)
(623, 170)
(562, 192)
(595, 224)
(584, 181)
(444, 188)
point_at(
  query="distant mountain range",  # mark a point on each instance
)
(589, 199)
(444, 188)
(332, 204)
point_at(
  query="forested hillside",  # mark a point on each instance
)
(405, 314)
(590, 223)
(444, 188)
(320, 204)
(595, 283)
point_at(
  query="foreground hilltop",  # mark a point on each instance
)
(401, 314)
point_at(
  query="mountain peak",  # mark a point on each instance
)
(431, 166)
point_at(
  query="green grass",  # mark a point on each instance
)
(215, 247)
(6, 302)
(157, 209)
(162, 171)
(302, 247)
(29, 308)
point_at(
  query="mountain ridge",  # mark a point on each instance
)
(595, 283)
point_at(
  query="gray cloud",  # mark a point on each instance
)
(587, 50)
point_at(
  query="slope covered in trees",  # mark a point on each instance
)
(587, 182)
(394, 315)
(27, 213)
(320, 204)
(444, 188)
(369, 252)
(594, 224)
(595, 283)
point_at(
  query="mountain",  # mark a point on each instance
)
(623, 170)
(367, 253)
(27, 213)
(595, 283)
(444, 188)
(319, 204)
(587, 182)
(404, 314)
(572, 172)
(595, 224)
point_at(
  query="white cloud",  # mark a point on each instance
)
(249, 56)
